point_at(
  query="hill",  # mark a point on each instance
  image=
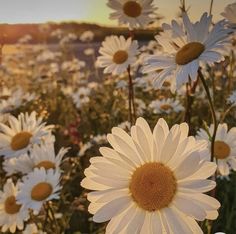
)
(11, 33)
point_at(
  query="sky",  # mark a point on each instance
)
(93, 11)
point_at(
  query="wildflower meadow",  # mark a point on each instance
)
(123, 131)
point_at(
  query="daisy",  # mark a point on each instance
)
(45, 156)
(22, 164)
(185, 47)
(40, 156)
(87, 36)
(38, 187)
(32, 229)
(224, 147)
(151, 182)
(21, 134)
(12, 214)
(81, 96)
(230, 13)
(117, 54)
(135, 13)
(166, 106)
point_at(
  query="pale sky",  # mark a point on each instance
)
(94, 11)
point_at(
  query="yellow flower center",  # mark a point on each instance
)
(120, 57)
(153, 186)
(132, 9)
(4, 97)
(46, 164)
(166, 84)
(221, 150)
(20, 140)
(189, 52)
(166, 107)
(41, 191)
(10, 205)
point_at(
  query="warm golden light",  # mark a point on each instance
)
(94, 11)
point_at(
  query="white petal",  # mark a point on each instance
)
(111, 209)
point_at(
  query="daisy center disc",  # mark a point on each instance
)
(41, 191)
(20, 140)
(4, 97)
(166, 107)
(46, 164)
(221, 150)
(10, 205)
(153, 186)
(166, 84)
(120, 57)
(132, 9)
(189, 52)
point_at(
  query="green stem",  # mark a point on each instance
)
(211, 6)
(183, 6)
(226, 113)
(212, 113)
(132, 108)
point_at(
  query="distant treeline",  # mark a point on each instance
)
(11, 33)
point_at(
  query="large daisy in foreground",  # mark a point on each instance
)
(21, 134)
(185, 47)
(12, 214)
(117, 54)
(151, 182)
(135, 13)
(224, 147)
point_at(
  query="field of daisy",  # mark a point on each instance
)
(121, 136)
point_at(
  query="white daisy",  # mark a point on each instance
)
(38, 187)
(81, 96)
(12, 214)
(224, 147)
(22, 164)
(135, 13)
(9, 104)
(21, 134)
(166, 106)
(185, 48)
(151, 182)
(32, 229)
(40, 156)
(117, 54)
(87, 36)
(44, 156)
(230, 13)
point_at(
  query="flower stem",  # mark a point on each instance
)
(211, 6)
(183, 6)
(130, 101)
(132, 108)
(54, 219)
(212, 113)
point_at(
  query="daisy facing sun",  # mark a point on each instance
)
(151, 182)
(185, 48)
(38, 187)
(117, 54)
(22, 132)
(135, 13)
(224, 147)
